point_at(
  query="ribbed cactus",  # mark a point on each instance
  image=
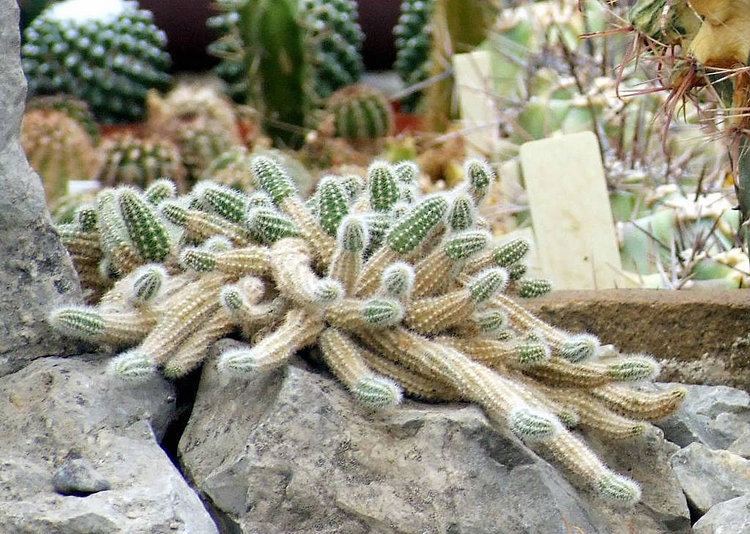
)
(360, 113)
(108, 53)
(129, 160)
(285, 57)
(59, 148)
(413, 43)
(76, 109)
(402, 295)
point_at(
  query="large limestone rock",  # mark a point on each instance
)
(290, 452)
(729, 517)
(35, 271)
(68, 430)
(716, 416)
(709, 476)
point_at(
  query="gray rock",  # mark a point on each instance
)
(729, 517)
(76, 476)
(741, 446)
(715, 416)
(289, 451)
(710, 476)
(58, 408)
(35, 271)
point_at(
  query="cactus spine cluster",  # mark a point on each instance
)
(403, 293)
(360, 113)
(107, 53)
(285, 57)
(59, 148)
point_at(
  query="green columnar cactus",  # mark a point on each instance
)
(285, 57)
(413, 45)
(108, 53)
(59, 148)
(132, 161)
(359, 112)
(430, 311)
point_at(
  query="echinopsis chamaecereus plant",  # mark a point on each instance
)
(403, 293)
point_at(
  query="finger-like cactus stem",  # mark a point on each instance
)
(640, 404)
(268, 225)
(91, 324)
(533, 425)
(237, 261)
(487, 283)
(407, 172)
(333, 204)
(355, 315)
(148, 281)
(480, 176)
(132, 365)
(292, 272)
(574, 455)
(435, 271)
(462, 213)
(493, 352)
(384, 189)
(194, 349)
(345, 359)
(199, 225)
(146, 230)
(322, 244)
(298, 330)
(560, 372)
(346, 263)
(594, 415)
(222, 200)
(506, 255)
(412, 382)
(398, 281)
(271, 178)
(160, 190)
(417, 225)
(196, 303)
(114, 237)
(580, 347)
(530, 288)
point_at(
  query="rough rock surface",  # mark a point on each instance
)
(35, 271)
(716, 416)
(57, 409)
(709, 477)
(290, 452)
(714, 352)
(729, 517)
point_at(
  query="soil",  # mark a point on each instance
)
(700, 337)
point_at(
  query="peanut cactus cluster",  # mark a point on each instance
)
(401, 292)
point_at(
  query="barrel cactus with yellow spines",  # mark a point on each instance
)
(108, 53)
(402, 295)
(59, 148)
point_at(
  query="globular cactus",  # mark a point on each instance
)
(402, 293)
(59, 148)
(199, 145)
(285, 57)
(413, 44)
(360, 113)
(76, 109)
(107, 53)
(129, 160)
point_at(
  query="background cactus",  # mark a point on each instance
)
(413, 42)
(317, 44)
(396, 299)
(107, 53)
(59, 148)
(360, 113)
(134, 161)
